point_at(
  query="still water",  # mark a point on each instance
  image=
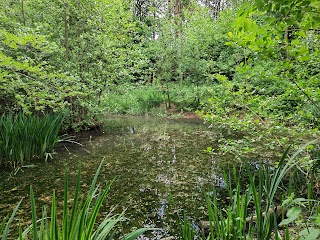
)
(159, 166)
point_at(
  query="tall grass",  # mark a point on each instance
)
(78, 222)
(132, 99)
(24, 138)
(138, 99)
(253, 212)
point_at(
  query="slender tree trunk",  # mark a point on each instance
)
(181, 78)
(154, 15)
(286, 39)
(23, 13)
(177, 8)
(177, 12)
(66, 31)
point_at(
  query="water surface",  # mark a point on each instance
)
(159, 166)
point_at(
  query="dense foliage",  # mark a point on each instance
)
(258, 55)
(62, 55)
(250, 67)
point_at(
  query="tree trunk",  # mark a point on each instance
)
(286, 40)
(23, 13)
(66, 31)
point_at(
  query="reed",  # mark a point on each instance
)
(24, 138)
(78, 222)
(253, 212)
(185, 227)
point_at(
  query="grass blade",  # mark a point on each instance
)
(34, 215)
(5, 230)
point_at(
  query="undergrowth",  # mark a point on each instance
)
(138, 99)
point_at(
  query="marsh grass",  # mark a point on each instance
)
(254, 212)
(78, 222)
(24, 138)
(186, 228)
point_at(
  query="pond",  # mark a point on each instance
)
(159, 165)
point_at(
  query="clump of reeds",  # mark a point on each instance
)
(256, 211)
(24, 138)
(77, 222)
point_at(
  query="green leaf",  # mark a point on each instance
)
(289, 21)
(305, 58)
(292, 214)
(310, 233)
(285, 222)
(137, 233)
(5, 230)
(270, 19)
(247, 24)
(259, 4)
(34, 215)
(301, 200)
(305, 3)
(316, 220)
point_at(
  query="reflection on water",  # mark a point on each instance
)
(159, 166)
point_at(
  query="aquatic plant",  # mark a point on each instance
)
(24, 138)
(78, 222)
(258, 211)
(185, 227)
